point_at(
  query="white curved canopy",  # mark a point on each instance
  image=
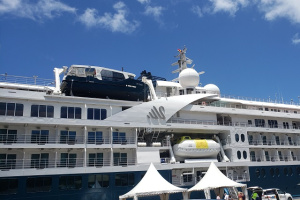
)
(214, 178)
(152, 184)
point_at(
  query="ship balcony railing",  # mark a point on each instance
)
(238, 124)
(98, 162)
(124, 162)
(59, 163)
(99, 141)
(273, 142)
(34, 80)
(125, 140)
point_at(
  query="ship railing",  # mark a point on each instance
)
(267, 100)
(274, 142)
(125, 140)
(34, 80)
(45, 139)
(214, 122)
(99, 140)
(124, 161)
(8, 164)
(98, 162)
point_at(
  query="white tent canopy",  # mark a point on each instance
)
(214, 179)
(152, 184)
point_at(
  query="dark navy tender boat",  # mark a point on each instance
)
(100, 82)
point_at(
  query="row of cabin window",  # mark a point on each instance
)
(271, 123)
(41, 136)
(41, 161)
(16, 109)
(261, 173)
(44, 184)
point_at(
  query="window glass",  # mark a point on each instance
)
(263, 173)
(42, 111)
(257, 172)
(10, 109)
(9, 186)
(237, 137)
(63, 112)
(77, 113)
(34, 110)
(291, 171)
(70, 182)
(242, 137)
(245, 154)
(71, 112)
(239, 154)
(50, 111)
(2, 108)
(103, 114)
(285, 171)
(38, 184)
(90, 113)
(19, 109)
(97, 114)
(277, 172)
(272, 172)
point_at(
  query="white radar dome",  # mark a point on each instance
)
(211, 88)
(189, 78)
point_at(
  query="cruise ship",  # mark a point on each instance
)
(94, 134)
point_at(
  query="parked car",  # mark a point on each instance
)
(270, 194)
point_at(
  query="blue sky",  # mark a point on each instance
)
(248, 48)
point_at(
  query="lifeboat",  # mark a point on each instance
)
(188, 148)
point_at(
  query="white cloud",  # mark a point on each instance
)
(155, 11)
(296, 39)
(115, 22)
(274, 9)
(144, 1)
(38, 11)
(197, 10)
(230, 6)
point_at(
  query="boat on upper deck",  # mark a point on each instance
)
(100, 82)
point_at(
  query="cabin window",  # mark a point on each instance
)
(98, 181)
(67, 137)
(259, 122)
(181, 92)
(257, 172)
(291, 171)
(280, 156)
(298, 170)
(39, 136)
(252, 156)
(244, 154)
(242, 137)
(187, 178)
(95, 137)
(239, 155)
(8, 185)
(237, 137)
(70, 182)
(111, 75)
(8, 136)
(120, 159)
(250, 139)
(90, 71)
(267, 156)
(8, 161)
(124, 179)
(277, 172)
(272, 123)
(285, 125)
(38, 184)
(70, 112)
(95, 159)
(250, 122)
(263, 173)
(42, 111)
(11, 109)
(285, 171)
(67, 160)
(272, 172)
(39, 160)
(119, 138)
(96, 114)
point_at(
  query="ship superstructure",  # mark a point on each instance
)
(58, 144)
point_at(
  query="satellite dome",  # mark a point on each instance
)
(212, 88)
(189, 78)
